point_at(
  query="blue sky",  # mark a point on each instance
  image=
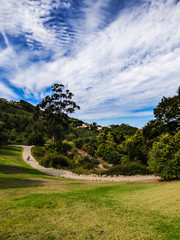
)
(118, 57)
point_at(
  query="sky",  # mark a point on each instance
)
(118, 57)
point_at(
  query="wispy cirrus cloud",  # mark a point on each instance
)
(118, 61)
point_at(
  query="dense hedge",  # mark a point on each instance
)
(127, 169)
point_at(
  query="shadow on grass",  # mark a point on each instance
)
(6, 183)
(10, 169)
(10, 151)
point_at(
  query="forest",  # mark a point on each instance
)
(68, 143)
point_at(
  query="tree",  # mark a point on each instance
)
(36, 138)
(167, 119)
(136, 148)
(168, 112)
(56, 107)
(164, 158)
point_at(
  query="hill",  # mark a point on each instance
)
(67, 143)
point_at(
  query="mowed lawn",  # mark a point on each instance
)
(36, 206)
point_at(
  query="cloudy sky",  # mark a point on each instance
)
(118, 57)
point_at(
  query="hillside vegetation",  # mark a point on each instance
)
(64, 142)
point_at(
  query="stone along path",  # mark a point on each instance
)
(67, 174)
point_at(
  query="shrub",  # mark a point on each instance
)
(18, 140)
(38, 152)
(78, 142)
(91, 151)
(85, 147)
(36, 139)
(66, 146)
(104, 150)
(12, 137)
(88, 163)
(128, 169)
(54, 160)
(114, 157)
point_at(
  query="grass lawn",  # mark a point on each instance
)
(36, 206)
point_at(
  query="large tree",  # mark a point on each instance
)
(168, 112)
(56, 107)
(167, 118)
(164, 157)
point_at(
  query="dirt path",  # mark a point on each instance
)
(67, 174)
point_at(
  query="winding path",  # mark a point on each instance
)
(67, 174)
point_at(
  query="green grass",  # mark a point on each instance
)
(36, 206)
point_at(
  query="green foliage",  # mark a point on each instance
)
(164, 158)
(54, 160)
(167, 119)
(38, 152)
(78, 142)
(136, 148)
(91, 151)
(114, 158)
(153, 129)
(19, 140)
(56, 107)
(66, 146)
(3, 134)
(26, 106)
(88, 163)
(127, 169)
(36, 138)
(104, 150)
(168, 111)
(85, 147)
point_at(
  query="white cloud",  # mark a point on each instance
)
(6, 92)
(28, 18)
(116, 71)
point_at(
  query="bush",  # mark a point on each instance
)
(66, 146)
(54, 160)
(12, 137)
(38, 152)
(164, 158)
(18, 140)
(36, 139)
(104, 150)
(78, 142)
(127, 169)
(114, 158)
(88, 163)
(91, 151)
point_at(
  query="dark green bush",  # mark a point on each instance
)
(114, 158)
(12, 137)
(79, 142)
(66, 147)
(91, 151)
(36, 138)
(127, 169)
(54, 160)
(38, 152)
(18, 140)
(88, 163)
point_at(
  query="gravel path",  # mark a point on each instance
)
(67, 174)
